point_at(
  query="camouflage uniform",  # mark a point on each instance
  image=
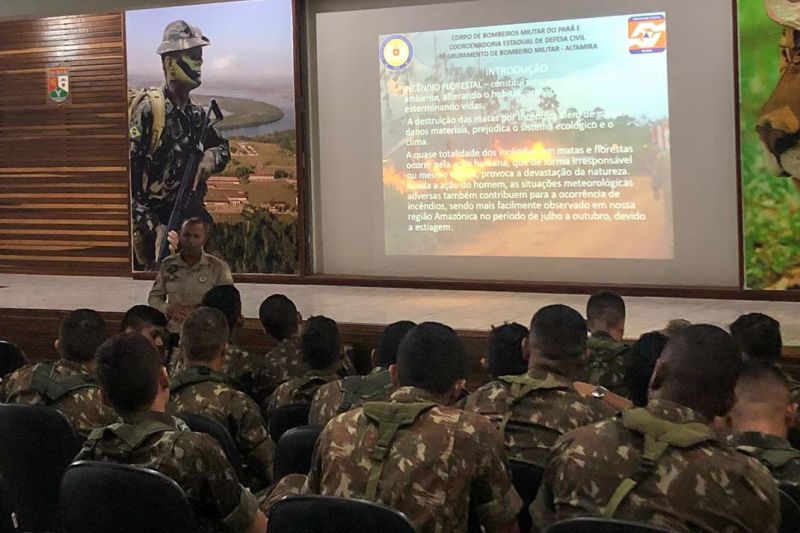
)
(532, 416)
(156, 177)
(78, 399)
(259, 375)
(193, 460)
(776, 454)
(445, 465)
(199, 390)
(606, 362)
(340, 396)
(300, 389)
(699, 484)
(177, 283)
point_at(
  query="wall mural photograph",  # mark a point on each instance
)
(236, 160)
(769, 53)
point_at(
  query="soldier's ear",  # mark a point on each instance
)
(163, 378)
(484, 363)
(393, 373)
(55, 345)
(791, 415)
(373, 357)
(526, 349)
(657, 379)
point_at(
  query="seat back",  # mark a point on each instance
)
(294, 450)
(328, 514)
(37, 445)
(526, 478)
(287, 417)
(600, 525)
(209, 426)
(98, 497)
(790, 513)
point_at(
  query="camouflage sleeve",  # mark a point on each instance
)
(493, 496)
(542, 510)
(325, 403)
(281, 396)
(252, 438)
(314, 478)
(218, 145)
(86, 410)
(291, 485)
(158, 294)
(222, 494)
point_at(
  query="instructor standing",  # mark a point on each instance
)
(185, 277)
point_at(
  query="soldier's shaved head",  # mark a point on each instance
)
(605, 311)
(763, 401)
(431, 357)
(80, 333)
(698, 369)
(128, 370)
(558, 332)
(204, 334)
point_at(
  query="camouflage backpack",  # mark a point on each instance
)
(131, 435)
(356, 389)
(158, 105)
(194, 375)
(522, 386)
(390, 417)
(659, 435)
(44, 382)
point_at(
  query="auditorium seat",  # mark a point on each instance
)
(37, 445)
(99, 497)
(209, 426)
(526, 478)
(328, 514)
(294, 450)
(287, 417)
(790, 513)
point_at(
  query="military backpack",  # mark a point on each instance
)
(45, 382)
(659, 435)
(190, 376)
(158, 105)
(357, 389)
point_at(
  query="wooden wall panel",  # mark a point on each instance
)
(63, 167)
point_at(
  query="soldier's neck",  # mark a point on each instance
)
(215, 364)
(191, 258)
(178, 93)
(776, 427)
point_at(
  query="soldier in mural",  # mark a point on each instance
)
(164, 129)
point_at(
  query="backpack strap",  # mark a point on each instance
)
(52, 387)
(356, 388)
(522, 386)
(659, 435)
(195, 374)
(301, 381)
(390, 417)
(131, 434)
(159, 106)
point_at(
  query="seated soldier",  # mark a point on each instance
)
(259, 375)
(342, 395)
(607, 356)
(663, 465)
(505, 357)
(67, 384)
(321, 347)
(760, 421)
(11, 358)
(135, 382)
(435, 463)
(148, 322)
(201, 390)
(532, 410)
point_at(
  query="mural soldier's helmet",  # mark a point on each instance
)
(179, 35)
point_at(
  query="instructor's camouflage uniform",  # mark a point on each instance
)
(707, 486)
(539, 418)
(199, 390)
(83, 407)
(445, 465)
(193, 460)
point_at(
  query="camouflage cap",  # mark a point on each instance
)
(179, 35)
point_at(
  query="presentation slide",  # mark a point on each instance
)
(543, 139)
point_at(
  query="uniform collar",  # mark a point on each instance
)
(203, 260)
(756, 439)
(413, 394)
(145, 416)
(200, 370)
(602, 335)
(541, 374)
(74, 365)
(675, 412)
